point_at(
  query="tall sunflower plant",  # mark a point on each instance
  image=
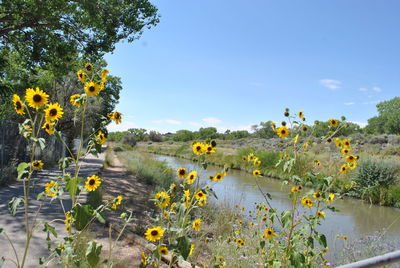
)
(171, 236)
(290, 238)
(42, 115)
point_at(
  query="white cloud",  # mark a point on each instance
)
(361, 124)
(363, 89)
(168, 121)
(196, 124)
(349, 103)
(211, 120)
(331, 83)
(125, 125)
(377, 89)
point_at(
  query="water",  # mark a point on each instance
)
(356, 218)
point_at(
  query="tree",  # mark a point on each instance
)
(207, 133)
(388, 119)
(183, 135)
(264, 130)
(139, 133)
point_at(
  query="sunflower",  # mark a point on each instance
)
(218, 177)
(192, 247)
(162, 199)
(305, 146)
(198, 148)
(73, 100)
(51, 188)
(301, 115)
(273, 126)
(181, 173)
(220, 259)
(88, 67)
(341, 237)
(81, 76)
(283, 132)
(104, 74)
(345, 150)
(92, 89)
(306, 202)
(257, 163)
(196, 224)
(330, 198)
(154, 234)
(101, 138)
(317, 162)
(143, 258)
(256, 173)
(116, 116)
(320, 214)
(201, 196)
(339, 144)
(209, 149)
(186, 193)
(18, 106)
(269, 233)
(36, 97)
(53, 112)
(343, 169)
(352, 165)
(117, 201)
(163, 251)
(346, 143)
(213, 143)
(350, 158)
(48, 127)
(192, 177)
(333, 122)
(37, 164)
(239, 242)
(92, 183)
(296, 189)
(296, 139)
(317, 195)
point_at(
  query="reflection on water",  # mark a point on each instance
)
(354, 219)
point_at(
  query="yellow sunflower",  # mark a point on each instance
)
(306, 202)
(317, 162)
(201, 197)
(198, 148)
(154, 234)
(181, 173)
(196, 224)
(73, 100)
(346, 143)
(273, 126)
(92, 89)
(48, 127)
(116, 116)
(209, 149)
(213, 143)
(88, 67)
(37, 164)
(192, 247)
(186, 193)
(317, 195)
(352, 165)
(143, 258)
(283, 132)
(256, 173)
(330, 198)
(192, 177)
(104, 74)
(117, 202)
(18, 105)
(53, 112)
(301, 115)
(333, 122)
(239, 242)
(218, 177)
(92, 183)
(101, 138)
(345, 150)
(296, 189)
(51, 188)
(81, 76)
(269, 233)
(36, 97)
(320, 214)
(162, 199)
(351, 158)
(163, 251)
(343, 169)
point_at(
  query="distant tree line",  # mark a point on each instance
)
(386, 122)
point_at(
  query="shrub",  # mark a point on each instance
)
(375, 172)
(129, 140)
(155, 136)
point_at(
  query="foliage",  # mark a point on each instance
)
(155, 136)
(129, 139)
(264, 130)
(183, 135)
(388, 119)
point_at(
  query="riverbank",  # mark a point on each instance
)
(376, 191)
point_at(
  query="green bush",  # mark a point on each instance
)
(129, 140)
(373, 172)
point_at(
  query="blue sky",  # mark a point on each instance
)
(231, 64)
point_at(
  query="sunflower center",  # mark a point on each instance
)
(47, 126)
(53, 112)
(198, 148)
(269, 232)
(182, 172)
(92, 182)
(283, 131)
(18, 105)
(36, 164)
(37, 98)
(91, 88)
(154, 232)
(200, 194)
(191, 177)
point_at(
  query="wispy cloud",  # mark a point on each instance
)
(377, 89)
(349, 103)
(211, 120)
(125, 125)
(168, 121)
(196, 124)
(363, 89)
(331, 83)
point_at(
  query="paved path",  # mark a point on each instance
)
(15, 227)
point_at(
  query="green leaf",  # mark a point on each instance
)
(310, 242)
(14, 204)
(72, 187)
(100, 218)
(42, 260)
(276, 264)
(184, 246)
(286, 218)
(93, 253)
(262, 244)
(2, 260)
(322, 240)
(49, 229)
(42, 143)
(82, 215)
(1, 230)
(204, 165)
(22, 169)
(39, 196)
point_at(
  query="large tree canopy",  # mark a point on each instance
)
(388, 120)
(56, 31)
